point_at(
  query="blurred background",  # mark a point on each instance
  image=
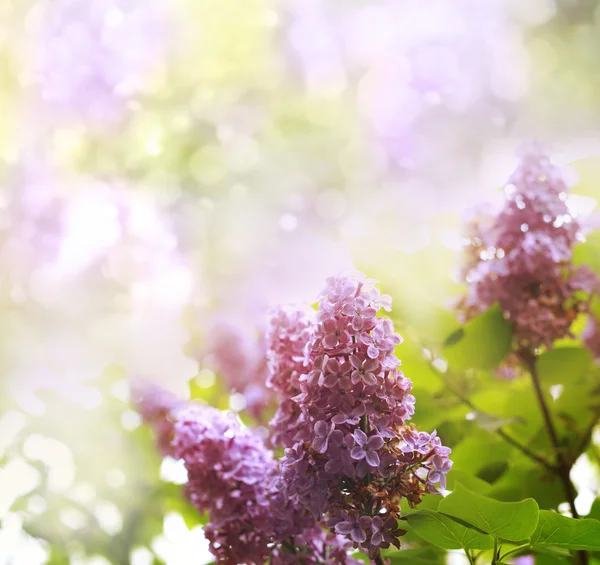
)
(170, 169)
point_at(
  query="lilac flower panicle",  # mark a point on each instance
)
(521, 257)
(350, 454)
(288, 332)
(354, 456)
(234, 478)
(229, 473)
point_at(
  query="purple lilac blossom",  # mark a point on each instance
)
(521, 257)
(288, 331)
(355, 457)
(233, 478)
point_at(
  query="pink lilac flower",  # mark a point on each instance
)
(288, 331)
(522, 259)
(229, 472)
(354, 456)
(233, 478)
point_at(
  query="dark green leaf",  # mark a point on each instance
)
(454, 337)
(446, 533)
(512, 521)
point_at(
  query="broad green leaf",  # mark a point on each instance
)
(446, 533)
(559, 531)
(512, 521)
(563, 365)
(485, 342)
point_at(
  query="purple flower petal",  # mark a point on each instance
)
(358, 535)
(321, 428)
(373, 458)
(344, 528)
(360, 437)
(319, 444)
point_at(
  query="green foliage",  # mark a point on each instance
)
(446, 533)
(558, 531)
(512, 521)
(563, 364)
(470, 521)
(482, 343)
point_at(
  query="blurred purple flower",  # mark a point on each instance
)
(521, 258)
(91, 57)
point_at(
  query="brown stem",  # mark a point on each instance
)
(562, 467)
(377, 559)
(525, 450)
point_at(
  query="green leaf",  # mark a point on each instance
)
(446, 533)
(486, 341)
(559, 531)
(527, 479)
(564, 364)
(512, 521)
(454, 337)
(595, 510)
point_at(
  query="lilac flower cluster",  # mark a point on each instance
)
(229, 472)
(521, 257)
(355, 457)
(232, 476)
(350, 456)
(288, 333)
